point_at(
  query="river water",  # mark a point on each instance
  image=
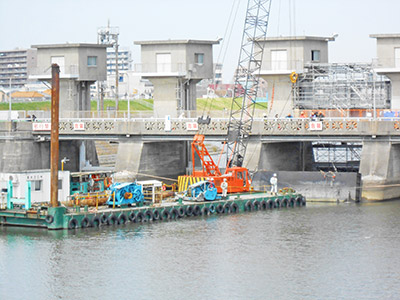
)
(321, 251)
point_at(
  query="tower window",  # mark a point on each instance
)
(315, 55)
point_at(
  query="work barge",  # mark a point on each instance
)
(61, 217)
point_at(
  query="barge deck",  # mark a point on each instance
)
(82, 217)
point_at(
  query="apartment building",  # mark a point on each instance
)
(16, 65)
(124, 60)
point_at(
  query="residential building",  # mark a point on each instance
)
(124, 60)
(16, 65)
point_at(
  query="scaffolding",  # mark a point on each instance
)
(341, 87)
(336, 156)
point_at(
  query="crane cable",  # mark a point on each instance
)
(224, 48)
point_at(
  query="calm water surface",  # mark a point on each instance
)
(344, 251)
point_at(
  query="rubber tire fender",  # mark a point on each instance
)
(122, 219)
(235, 208)
(298, 201)
(227, 208)
(284, 202)
(140, 218)
(248, 206)
(95, 222)
(256, 205)
(73, 223)
(189, 211)
(277, 203)
(49, 219)
(85, 223)
(263, 204)
(148, 215)
(156, 215)
(104, 219)
(132, 217)
(174, 213)
(181, 212)
(219, 209)
(270, 204)
(112, 219)
(166, 214)
(292, 202)
(196, 210)
(205, 211)
(211, 208)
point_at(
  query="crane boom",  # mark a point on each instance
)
(247, 79)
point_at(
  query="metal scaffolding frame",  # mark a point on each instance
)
(337, 156)
(341, 86)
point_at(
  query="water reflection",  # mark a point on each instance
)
(320, 251)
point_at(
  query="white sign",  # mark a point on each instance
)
(79, 126)
(192, 126)
(315, 126)
(41, 126)
(167, 126)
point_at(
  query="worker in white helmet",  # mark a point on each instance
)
(274, 184)
(224, 187)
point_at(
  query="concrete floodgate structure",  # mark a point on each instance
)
(175, 67)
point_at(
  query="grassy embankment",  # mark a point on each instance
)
(207, 104)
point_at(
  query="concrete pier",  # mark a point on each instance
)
(380, 170)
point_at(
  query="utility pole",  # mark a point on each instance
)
(109, 36)
(9, 104)
(116, 76)
(54, 139)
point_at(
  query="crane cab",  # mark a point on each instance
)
(238, 180)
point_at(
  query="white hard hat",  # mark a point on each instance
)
(224, 179)
(274, 174)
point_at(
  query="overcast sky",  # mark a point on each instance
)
(27, 22)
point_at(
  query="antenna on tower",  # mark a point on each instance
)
(109, 36)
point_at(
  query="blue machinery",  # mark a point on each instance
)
(125, 194)
(27, 200)
(202, 190)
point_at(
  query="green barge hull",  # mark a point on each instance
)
(77, 217)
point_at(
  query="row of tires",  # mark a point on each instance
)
(174, 213)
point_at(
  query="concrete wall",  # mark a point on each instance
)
(164, 159)
(165, 96)
(22, 155)
(313, 185)
(287, 156)
(199, 71)
(74, 97)
(385, 49)
(280, 98)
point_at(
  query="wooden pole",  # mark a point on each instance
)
(54, 144)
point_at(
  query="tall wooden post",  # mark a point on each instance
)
(54, 144)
